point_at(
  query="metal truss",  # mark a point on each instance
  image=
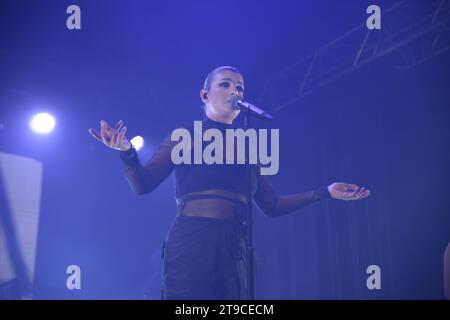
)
(415, 30)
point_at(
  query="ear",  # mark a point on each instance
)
(204, 95)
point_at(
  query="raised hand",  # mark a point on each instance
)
(113, 138)
(347, 191)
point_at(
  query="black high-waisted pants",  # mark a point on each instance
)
(205, 258)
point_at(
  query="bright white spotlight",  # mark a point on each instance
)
(137, 142)
(42, 123)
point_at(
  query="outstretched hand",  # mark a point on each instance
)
(113, 138)
(347, 191)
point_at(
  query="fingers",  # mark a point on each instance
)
(121, 136)
(122, 133)
(114, 135)
(349, 191)
(95, 134)
(365, 194)
(116, 130)
(352, 192)
(118, 125)
(104, 132)
(358, 193)
(351, 187)
(108, 135)
(361, 194)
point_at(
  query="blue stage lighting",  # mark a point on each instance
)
(42, 123)
(137, 142)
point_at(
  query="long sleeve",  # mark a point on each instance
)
(273, 205)
(144, 179)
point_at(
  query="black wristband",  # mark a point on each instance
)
(322, 193)
(128, 154)
(129, 151)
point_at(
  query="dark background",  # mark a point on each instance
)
(380, 127)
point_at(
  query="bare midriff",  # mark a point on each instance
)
(211, 208)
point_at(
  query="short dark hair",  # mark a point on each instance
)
(210, 76)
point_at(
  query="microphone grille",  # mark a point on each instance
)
(234, 101)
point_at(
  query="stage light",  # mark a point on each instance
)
(42, 123)
(137, 142)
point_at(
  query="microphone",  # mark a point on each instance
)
(238, 104)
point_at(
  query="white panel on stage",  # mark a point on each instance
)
(22, 179)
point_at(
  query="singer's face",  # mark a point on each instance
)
(224, 86)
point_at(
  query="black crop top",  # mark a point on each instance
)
(200, 177)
